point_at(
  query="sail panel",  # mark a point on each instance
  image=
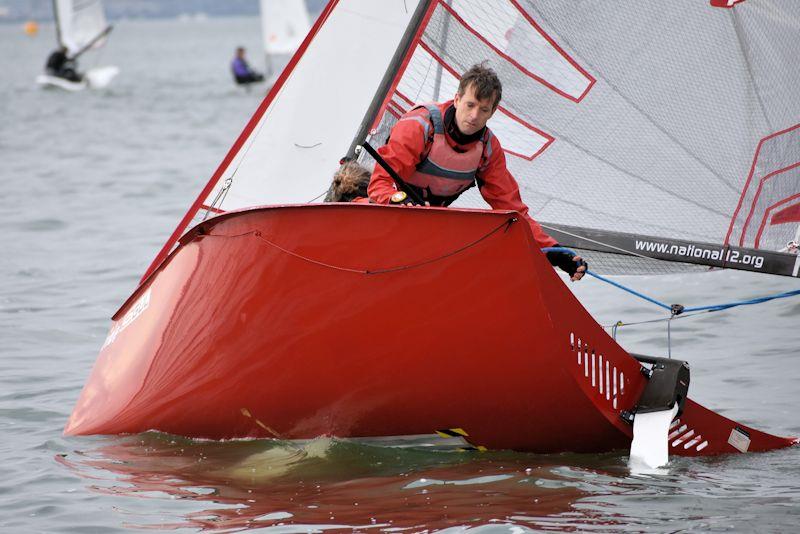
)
(520, 138)
(297, 144)
(284, 25)
(501, 24)
(771, 185)
(80, 22)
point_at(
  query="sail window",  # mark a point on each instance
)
(512, 32)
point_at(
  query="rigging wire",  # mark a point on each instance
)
(676, 310)
(675, 314)
(710, 307)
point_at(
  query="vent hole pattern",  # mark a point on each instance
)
(683, 437)
(598, 371)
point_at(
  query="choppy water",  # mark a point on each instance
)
(92, 184)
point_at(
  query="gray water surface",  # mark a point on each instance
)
(92, 185)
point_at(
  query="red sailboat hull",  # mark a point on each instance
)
(366, 321)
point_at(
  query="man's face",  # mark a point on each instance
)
(471, 113)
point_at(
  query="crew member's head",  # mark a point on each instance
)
(349, 182)
(239, 51)
(478, 96)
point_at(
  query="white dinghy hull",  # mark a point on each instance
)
(98, 78)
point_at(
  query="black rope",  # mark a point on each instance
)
(401, 184)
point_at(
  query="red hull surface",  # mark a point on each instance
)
(367, 321)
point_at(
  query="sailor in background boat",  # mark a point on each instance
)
(442, 149)
(349, 183)
(242, 72)
(59, 64)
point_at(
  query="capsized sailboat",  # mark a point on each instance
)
(80, 26)
(277, 316)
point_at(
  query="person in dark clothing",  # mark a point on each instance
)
(59, 64)
(242, 72)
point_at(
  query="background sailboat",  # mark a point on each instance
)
(284, 25)
(80, 26)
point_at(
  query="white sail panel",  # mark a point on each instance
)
(80, 23)
(764, 214)
(284, 25)
(294, 149)
(512, 32)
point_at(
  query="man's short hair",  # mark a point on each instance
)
(487, 84)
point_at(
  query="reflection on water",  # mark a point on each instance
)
(324, 483)
(332, 484)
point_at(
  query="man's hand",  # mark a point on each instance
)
(567, 261)
(581, 270)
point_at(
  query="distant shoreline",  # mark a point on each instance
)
(9, 21)
(41, 11)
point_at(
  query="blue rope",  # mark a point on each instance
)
(712, 307)
(757, 300)
(629, 290)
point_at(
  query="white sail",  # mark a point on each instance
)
(296, 145)
(284, 25)
(80, 24)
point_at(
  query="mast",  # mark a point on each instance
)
(58, 23)
(391, 72)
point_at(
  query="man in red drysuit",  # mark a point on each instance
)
(441, 150)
